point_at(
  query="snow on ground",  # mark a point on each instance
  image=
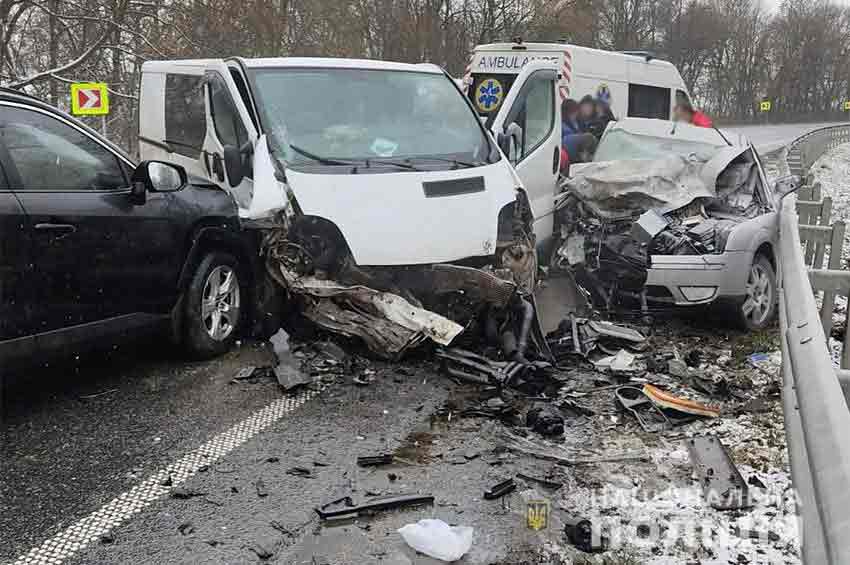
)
(832, 171)
(655, 513)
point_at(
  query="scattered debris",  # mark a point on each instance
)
(375, 460)
(107, 538)
(303, 472)
(184, 493)
(500, 489)
(286, 369)
(542, 482)
(437, 539)
(723, 486)
(581, 336)
(531, 377)
(544, 419)
(524, 446)
(667, 400)
(621, 363)
(650, 417)
(244, 373)
(186, 528)
(260, 487)
(583, 536)
(265, 547)
(98, 394)
(350, 510)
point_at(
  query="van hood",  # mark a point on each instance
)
(410, 218)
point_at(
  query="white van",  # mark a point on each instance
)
(391, 154)
(637, 84)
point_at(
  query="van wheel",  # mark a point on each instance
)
(757, 309)
(214, 313)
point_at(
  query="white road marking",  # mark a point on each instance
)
(79, 535)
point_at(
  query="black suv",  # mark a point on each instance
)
(93, 246)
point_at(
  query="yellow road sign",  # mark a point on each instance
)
(89, 99)
(847, 105)
(765, 105)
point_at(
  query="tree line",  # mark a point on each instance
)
(731, 53)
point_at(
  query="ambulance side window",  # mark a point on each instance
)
(649, 102)
(534, 112)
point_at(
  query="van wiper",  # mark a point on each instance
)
(403, 164)
(320, 159)
(456, 162)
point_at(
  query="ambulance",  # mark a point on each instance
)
(635, 83)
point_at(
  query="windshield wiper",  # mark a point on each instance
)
(320, 159)
(403, 164)
(456, 162)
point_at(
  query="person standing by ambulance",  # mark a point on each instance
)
(684, 112)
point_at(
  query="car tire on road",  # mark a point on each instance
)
(757, 309)
(215, 305)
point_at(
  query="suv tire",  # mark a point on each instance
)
(757, 309)
(215, 306)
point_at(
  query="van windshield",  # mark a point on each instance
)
(376, 120)
(619, 144)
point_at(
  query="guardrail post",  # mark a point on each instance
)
(816, 251)
(836, 247)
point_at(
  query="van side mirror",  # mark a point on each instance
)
(156, 176)
(509, 142)
(234, 165)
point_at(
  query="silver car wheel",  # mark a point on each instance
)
(759, 299)
(220, 304)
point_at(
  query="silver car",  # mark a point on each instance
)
(674, 214)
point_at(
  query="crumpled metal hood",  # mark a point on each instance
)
(621, 188)
(388, 219)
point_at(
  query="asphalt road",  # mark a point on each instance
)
(80, 433)
(773, 136)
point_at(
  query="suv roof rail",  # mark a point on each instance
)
(7, 90)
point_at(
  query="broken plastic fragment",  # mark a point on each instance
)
(437, 539)
(666, 400)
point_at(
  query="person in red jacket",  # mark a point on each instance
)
(684, 112)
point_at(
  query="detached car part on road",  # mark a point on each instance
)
(95, 246)
(388, 212)
(674, 214)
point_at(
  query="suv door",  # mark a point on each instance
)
(531, 111)
(16, 320)
(228, 126)
(96, 254)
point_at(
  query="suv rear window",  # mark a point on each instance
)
(185, 120)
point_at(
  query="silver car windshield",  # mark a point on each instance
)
(373, 118)
(619, 144)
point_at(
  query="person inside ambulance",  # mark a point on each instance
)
(684, 112)
(579, 145)
(604, 115)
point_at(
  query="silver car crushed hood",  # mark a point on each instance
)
(620, 188)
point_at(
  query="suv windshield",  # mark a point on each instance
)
(618, 144)
(373, 118)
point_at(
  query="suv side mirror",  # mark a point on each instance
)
(156, 176)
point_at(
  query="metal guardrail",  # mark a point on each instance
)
(817, 418)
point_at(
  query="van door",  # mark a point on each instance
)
(532, 113)
(229, 130)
